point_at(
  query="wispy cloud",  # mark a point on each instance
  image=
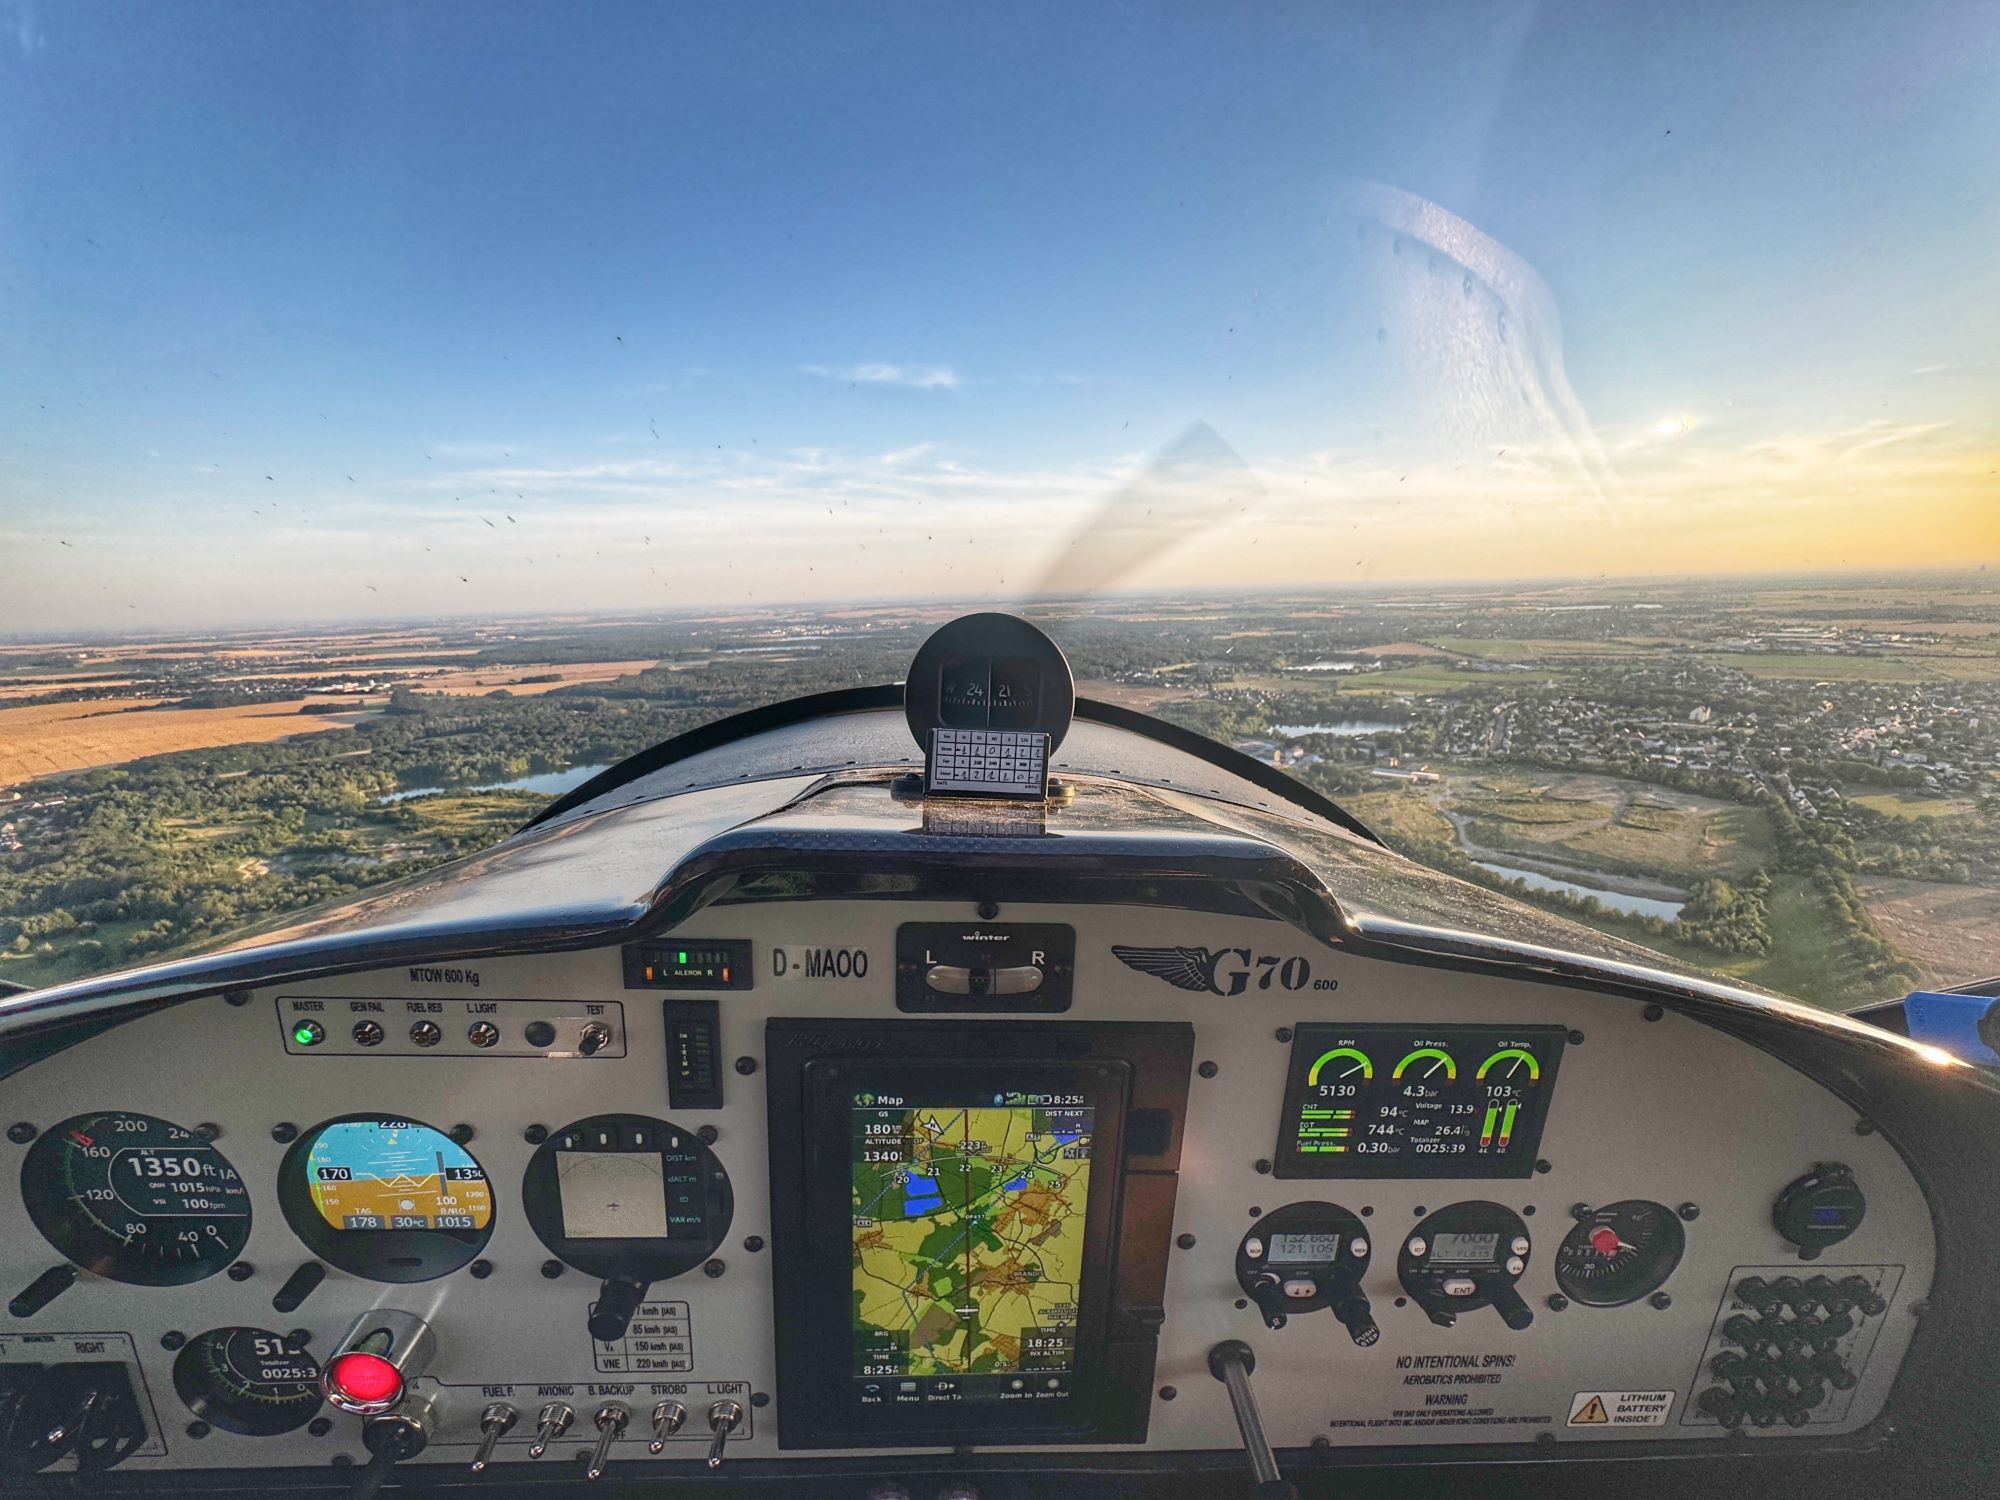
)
(908, 376)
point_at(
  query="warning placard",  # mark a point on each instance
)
(1620, 1408)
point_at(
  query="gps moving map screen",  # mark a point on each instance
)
(393, 1174)
(968, 1244)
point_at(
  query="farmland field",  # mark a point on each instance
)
(54, 737)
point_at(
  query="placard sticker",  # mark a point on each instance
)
(1620, 1408)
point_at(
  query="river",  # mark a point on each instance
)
(549, 783)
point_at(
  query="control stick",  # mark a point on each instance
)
(1231, 1362)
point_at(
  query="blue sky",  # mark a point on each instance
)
(739, 302)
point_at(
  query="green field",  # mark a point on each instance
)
(1526, 648)
(1404, 817)
(1809, 958)
(1432, 677)
(1968, 667)
(1900, 805)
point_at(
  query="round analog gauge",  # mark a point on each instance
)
(1619, 1253)
(248, 1380)
(392, 1200)
(135, 1198)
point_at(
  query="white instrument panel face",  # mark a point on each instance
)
(1662, 1111)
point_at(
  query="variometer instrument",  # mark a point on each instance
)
(248, 1381)
(1620, 1252)
(136, 1198)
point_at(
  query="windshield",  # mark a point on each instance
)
(1567, 438)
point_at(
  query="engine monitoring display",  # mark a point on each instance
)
(393, 1174)
(1416, 1101)
(968, 1244)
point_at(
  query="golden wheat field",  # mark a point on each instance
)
(52, 737)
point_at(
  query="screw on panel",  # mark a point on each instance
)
(173, 1338)
(753, 1243)
(1419, 1211)
(1543, 1165)
(988, 910)
(1186, 1242)
(1208, 1069)
(1864, 1127)
(760, 1398)
(460, 1133)
(1557, 1302)
(1528, 1212)
(1256, 1212)
(1576, 1039)
(534, 1135)
(207, 1130)
(298, 1338)
(284, 1131)
(1167, 1393)
(1367, 1210)
(552, 1269)
(708, 1135)
(481, 1269)
(319, 1427)
(1241, 1303)
(1283, 1033)
(1263, 1165)
(20, 1132)
(713, 1269)
(241, 1271)
(1654, 1012)
(197, 1430)
(236, 997)
(1690, 1211)
(746, 1065)
(1545, 1438)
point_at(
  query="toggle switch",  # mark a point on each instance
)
(668, 1417)
(724, 1417)
(611, 1419)
(551, 1423)
(494, 1423)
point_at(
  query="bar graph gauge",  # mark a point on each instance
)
(1402, 1100)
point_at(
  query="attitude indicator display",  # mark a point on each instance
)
(1402, 1100)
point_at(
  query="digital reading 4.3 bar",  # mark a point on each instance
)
(1417, 1101)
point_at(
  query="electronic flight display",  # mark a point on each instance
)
(969, 1209)
(1416, 1101)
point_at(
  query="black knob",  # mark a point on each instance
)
(1755, 1292)
(1728, 1365)
(1270, 1299)
(1722, 1406)
(43, 1290)
(1515, 1313)
(1747, 1331)
(1796, 1415)
(1835, 1370)
(298, 1286)
(1357, 1318)
(617, 1300)
(1792, 1292)
(539, 1034)
(1829, 1331)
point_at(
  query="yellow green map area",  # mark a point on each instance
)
(968, 1238)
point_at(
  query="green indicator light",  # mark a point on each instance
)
(681, 957)
(308, 1033)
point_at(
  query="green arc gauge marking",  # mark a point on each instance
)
(1512, 1054)
(1367, 1066)
(1432, 1055)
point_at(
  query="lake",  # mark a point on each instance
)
(549, 783)
(1638, 906)
(1345, 727)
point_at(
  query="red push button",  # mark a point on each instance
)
(1604, 1240)
(363, 1382)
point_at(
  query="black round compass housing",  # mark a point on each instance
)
(987, 672)
(1619, 1253)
